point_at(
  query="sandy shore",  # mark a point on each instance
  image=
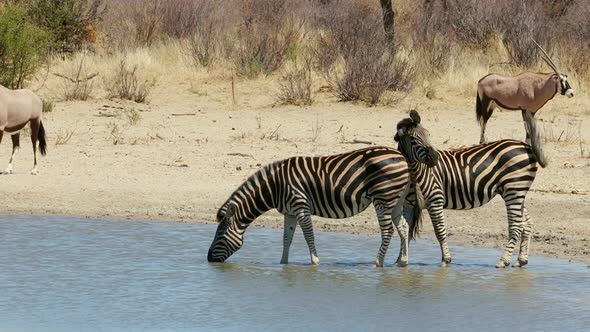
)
(190, 150)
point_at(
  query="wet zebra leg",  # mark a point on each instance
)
(290, 225)
(304, 220)
(435, 210)
(386, 227)
(525, 241)
(514, 207)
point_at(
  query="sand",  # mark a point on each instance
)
(192, 147)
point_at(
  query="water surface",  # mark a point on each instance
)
(68, 274)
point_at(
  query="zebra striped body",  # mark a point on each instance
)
(337, 186)
(471, 177)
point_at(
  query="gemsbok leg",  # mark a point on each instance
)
(15, 147)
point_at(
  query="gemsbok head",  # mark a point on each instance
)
(527, 92)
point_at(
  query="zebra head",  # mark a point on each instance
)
(413, 141)
(228, 237)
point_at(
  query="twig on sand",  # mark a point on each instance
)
(245, 155)
(175, 165)
(183, 114)
(358, 141)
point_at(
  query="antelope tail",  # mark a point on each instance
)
(42, 139)
(478, 109)
(536, 141)
(416, 223)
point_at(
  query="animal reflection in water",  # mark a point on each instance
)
(17, 108)
(471, 177)
(527, 92)
(337, 186)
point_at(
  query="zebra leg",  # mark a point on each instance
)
(438, 222)
(514, 206)
(386, 227)
(288, 231)
(304, 220)
(525, 241)
(402, 227)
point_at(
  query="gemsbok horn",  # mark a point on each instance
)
(527, 92)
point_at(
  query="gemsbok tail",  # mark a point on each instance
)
(535, 136)
(42, 139)
(478, 109)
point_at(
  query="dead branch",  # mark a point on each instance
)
(245, 155)
(358, 141)
(80, 80)
(183, 114)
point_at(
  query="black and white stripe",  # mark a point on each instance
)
(470, 177)
(337, 186)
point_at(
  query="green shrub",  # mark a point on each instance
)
(72, 23)
(22, 46)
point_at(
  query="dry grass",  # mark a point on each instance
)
(126, 83)
(295, 85)
(115, 133)
(132, 116)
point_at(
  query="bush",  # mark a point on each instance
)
(265, 36)
(22, 47)
(72, 23)
(296, 85)
(126, 84)
(357, 67)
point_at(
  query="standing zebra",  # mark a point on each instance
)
(471, 177)
(337, 186)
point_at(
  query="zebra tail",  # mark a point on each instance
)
(415, 225)
(536, 140)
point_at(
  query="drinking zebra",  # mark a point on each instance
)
(470, 177)
(337, 186)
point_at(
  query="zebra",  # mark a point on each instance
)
(336, 186)
(470, 177)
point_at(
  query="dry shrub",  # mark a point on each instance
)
(127, 85)
(296, 85)
(266, 34)
(206, 28)
(77, 83)
(362, 68)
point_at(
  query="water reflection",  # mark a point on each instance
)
(71, 275)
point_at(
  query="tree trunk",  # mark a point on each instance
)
(388, 20)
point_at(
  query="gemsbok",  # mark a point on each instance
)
(470, 177)
(17, 108)
(337, 186)
(527, 92)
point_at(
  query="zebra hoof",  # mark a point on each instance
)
(520, 263)
(34, 171)
(445, 262)
(378, 263)
(315, 260)
(501, 264)
(402, 262)
(284, 261)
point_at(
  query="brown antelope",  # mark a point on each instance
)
(17, 108)
(527, 92)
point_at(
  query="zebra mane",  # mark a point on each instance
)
(265, 170)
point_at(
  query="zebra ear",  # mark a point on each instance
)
(398, 134)
(415, 116)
